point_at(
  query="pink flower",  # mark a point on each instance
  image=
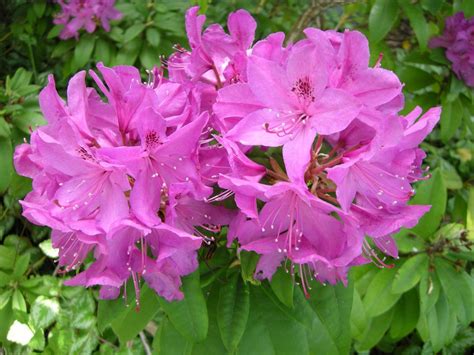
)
(458, 39)
(87, 14)
(296, 105)
(138, 180)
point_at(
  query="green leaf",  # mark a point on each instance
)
(450, 175)
(432, 192)
(248, 263)
(83, 51)
(37, 342)
(18, 301)
(375, 331)
(457, 286)
(168, 341)
(470, 213)
(149, 57)
(417, 22)
(358, 317)
(269, 326)
(7, 257)
(451, 118)
(405, 315)
(233, 311)
(432, 6)
(467, 7)
(62, 48)
(4, 279)
(44, 311)
(21, 265)
(441, 323)
(379, 297)
(6, 164)
(127, 325)
(414, 78)
(282, 285)
(4, 298)
(133, 31)
(129, 53)
(430, 288)
(153, 36)
(104, 51)
(382, 17)
(410, 273)
(189, 316)
(39, 7)
(332, 305)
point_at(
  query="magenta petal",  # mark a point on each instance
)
(334, 111)
(251, 130)
(242, 28)
(269, 83)
(297, 154)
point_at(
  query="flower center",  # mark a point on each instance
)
(303, 88)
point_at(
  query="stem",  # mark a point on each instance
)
(146, 346)
(32, 60)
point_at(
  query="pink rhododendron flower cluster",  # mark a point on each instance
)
(87, 14)
(458, 39)
(306, 139)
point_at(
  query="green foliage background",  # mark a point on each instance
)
(424, 305)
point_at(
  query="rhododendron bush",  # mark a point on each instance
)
(249, 192)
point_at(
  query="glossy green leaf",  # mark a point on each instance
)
(429, 291)
(4, 279)
(450, 175)
(5, 296)
(359, 318)
(410, 273)
(168, 341)
(269, 326)
(189, 316)
(133, 31)
(375, 330)
(383, 15)
(332, 305)
(128, 324)
(104, 50)
(282, 285)
(451, 118)
(149, 57)
(379, 297)
(153, 36)
(441, 322)
(415, 78)
(21, 265)
(18, 301)
(83, 51)
(405, 315)
(248, 263)
(457, 286)
(7, 257)
(128, 54)
(233, 311)
(470, 213)
(417, 21)
(432, 192)
(6, 164)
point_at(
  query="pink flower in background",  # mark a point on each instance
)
(85, 14)
(458, 39)
(299, 151)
